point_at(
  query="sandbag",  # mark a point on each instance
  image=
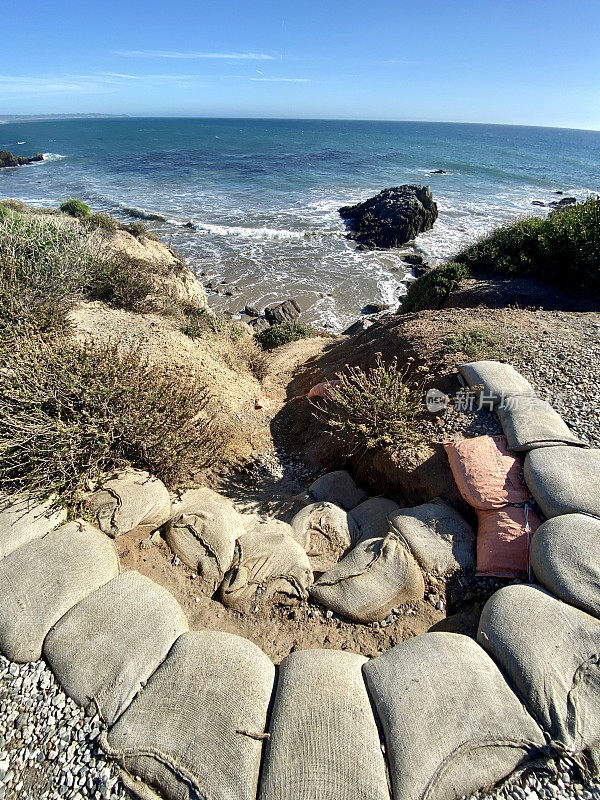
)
(130, 501)
(202, 531)
(376, 576)
(498, 380)
(486, 473)
(105, 648)
(529, 422)
(550, 652)
(195, 731)
(438, 537)
(372, 517)
(42, 580)
(451, 723)
(565, 556)
(266, 564)
(324, 532)
(503, 539)
(564, 480)
(23, 519)
(324, 743)
(338, 487)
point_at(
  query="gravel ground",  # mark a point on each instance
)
(560, 780)
(48, 747)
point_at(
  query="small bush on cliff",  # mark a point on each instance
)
(140, 231)
(563, 249)
(103, 221)
(43, 263)
(76, 208)
(476, 343)
(374, 409)
(70, 412)
(431, 289)
(278, 335)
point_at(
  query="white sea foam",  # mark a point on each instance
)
(52, 156)
(251, 233)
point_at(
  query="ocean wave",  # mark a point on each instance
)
(251, 233)
(52, 156)
(140, 213)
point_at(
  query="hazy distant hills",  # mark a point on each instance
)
(33, 117)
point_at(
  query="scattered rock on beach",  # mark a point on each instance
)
(391, 218)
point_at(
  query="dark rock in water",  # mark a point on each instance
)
(251, 311)
(565, 201)
(190, 225)
(413, 258)
(139, 213)
(8, 160)
(288, 311)
(437, 172)
(359, 326)
(391, 218)
(259, 324)
(558, 191)
(374, 308)
(537, 203)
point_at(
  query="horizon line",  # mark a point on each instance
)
(113, 115)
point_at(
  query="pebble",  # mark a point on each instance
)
(48, 748)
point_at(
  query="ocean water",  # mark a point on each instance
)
(263, 195)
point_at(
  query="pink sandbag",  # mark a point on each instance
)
(503, 539)
(486, 474)
(323, 389)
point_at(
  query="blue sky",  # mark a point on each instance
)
(531, 62)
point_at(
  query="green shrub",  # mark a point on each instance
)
(563, 249)
(476, 344)
(76, 208)
(70, 412)
(431, 289)
(140, 231)
(103, 221)
(44, 263)
(374, 409)
(278, 335)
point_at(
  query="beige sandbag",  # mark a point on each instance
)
(551, 653)
(202, 531)
(195, 730)
(529, 422)
(42, 580)
(324, 532)
(376, 576)
(23, 519)
(438, 537)
(130, 500)
(451, 723)
(324, 743)
(564, 480)
(497, 379)
(372, 517)
(338, 487)
(266, 564)
(565, 556)
(105, 648)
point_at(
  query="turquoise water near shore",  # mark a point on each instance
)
(263, 195)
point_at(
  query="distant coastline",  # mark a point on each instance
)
(6, 119)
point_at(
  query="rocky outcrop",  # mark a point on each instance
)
(8, 160)
(278, 314)
(391, 218)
